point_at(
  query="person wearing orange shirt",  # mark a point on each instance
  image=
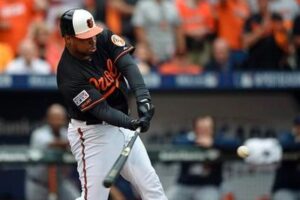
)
(49, 43)
(198, 25)
(118, 17)
(266, 40)
(54, 49)
(233, 13)
(179, 65)
(15, 18)
(6, 55)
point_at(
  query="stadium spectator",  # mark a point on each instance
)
(287, 178)
(116, 194)
(57, 7)
(198, 25)
(28, 61)
(97, 8)
(287, 8)
(122, 190)
(221, 60)
(118, 17)
(6, 55)
(266, 40)
(54, 47)
(15, 17)
(51, 136)
(157, 24)
(296, 39)
(91, 5)
(235, 13)
(143, 57)
(39, 33)
(201, 181)
(179, 64)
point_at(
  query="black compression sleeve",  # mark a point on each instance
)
(110, 115)
(129, 69)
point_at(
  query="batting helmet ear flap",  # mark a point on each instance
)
(66, 23)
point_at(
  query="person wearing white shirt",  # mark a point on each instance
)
(51, 136)
(28, 63)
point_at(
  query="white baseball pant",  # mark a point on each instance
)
(96, 148)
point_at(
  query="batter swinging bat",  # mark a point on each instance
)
(114, 172)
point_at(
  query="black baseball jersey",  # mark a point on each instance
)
(86, 84)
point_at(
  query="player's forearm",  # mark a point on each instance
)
(59, 144)
(122, 6)
(110, 115)
(250, 39)
(180, 40)
(130, 70)
(141, 36)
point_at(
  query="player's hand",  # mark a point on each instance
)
(142, 122)
(145, 109)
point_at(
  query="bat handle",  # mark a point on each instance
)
(138, 130)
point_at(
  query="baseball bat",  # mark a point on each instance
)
(114, 172)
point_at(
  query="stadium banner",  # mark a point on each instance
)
(154, 81)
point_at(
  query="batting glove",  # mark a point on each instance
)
(142, 122)
(145, 109)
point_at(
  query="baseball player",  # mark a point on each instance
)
(92, 76)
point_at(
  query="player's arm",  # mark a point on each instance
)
(115, 117)
(121, 6)
(127, 66)
(252, 35)
(119, 52)
(111, 115)
(58, 143)
(88, 99)
(129, 69)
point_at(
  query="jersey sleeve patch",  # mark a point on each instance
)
(81, 97)
(117, 40)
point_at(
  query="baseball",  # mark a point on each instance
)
(243, 151)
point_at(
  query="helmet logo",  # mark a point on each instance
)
(90, 23)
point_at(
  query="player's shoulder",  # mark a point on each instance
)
(108, 38)
(67, 70)
(67, 64)
(105, 33)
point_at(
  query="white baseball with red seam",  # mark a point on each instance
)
(243, 151)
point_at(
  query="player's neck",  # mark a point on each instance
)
(78, 55)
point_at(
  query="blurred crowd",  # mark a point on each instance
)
(203, 180)
(171, 36)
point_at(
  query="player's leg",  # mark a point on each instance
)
(140, 173)
(95, 148)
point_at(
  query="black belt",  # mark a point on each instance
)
(91, 121)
